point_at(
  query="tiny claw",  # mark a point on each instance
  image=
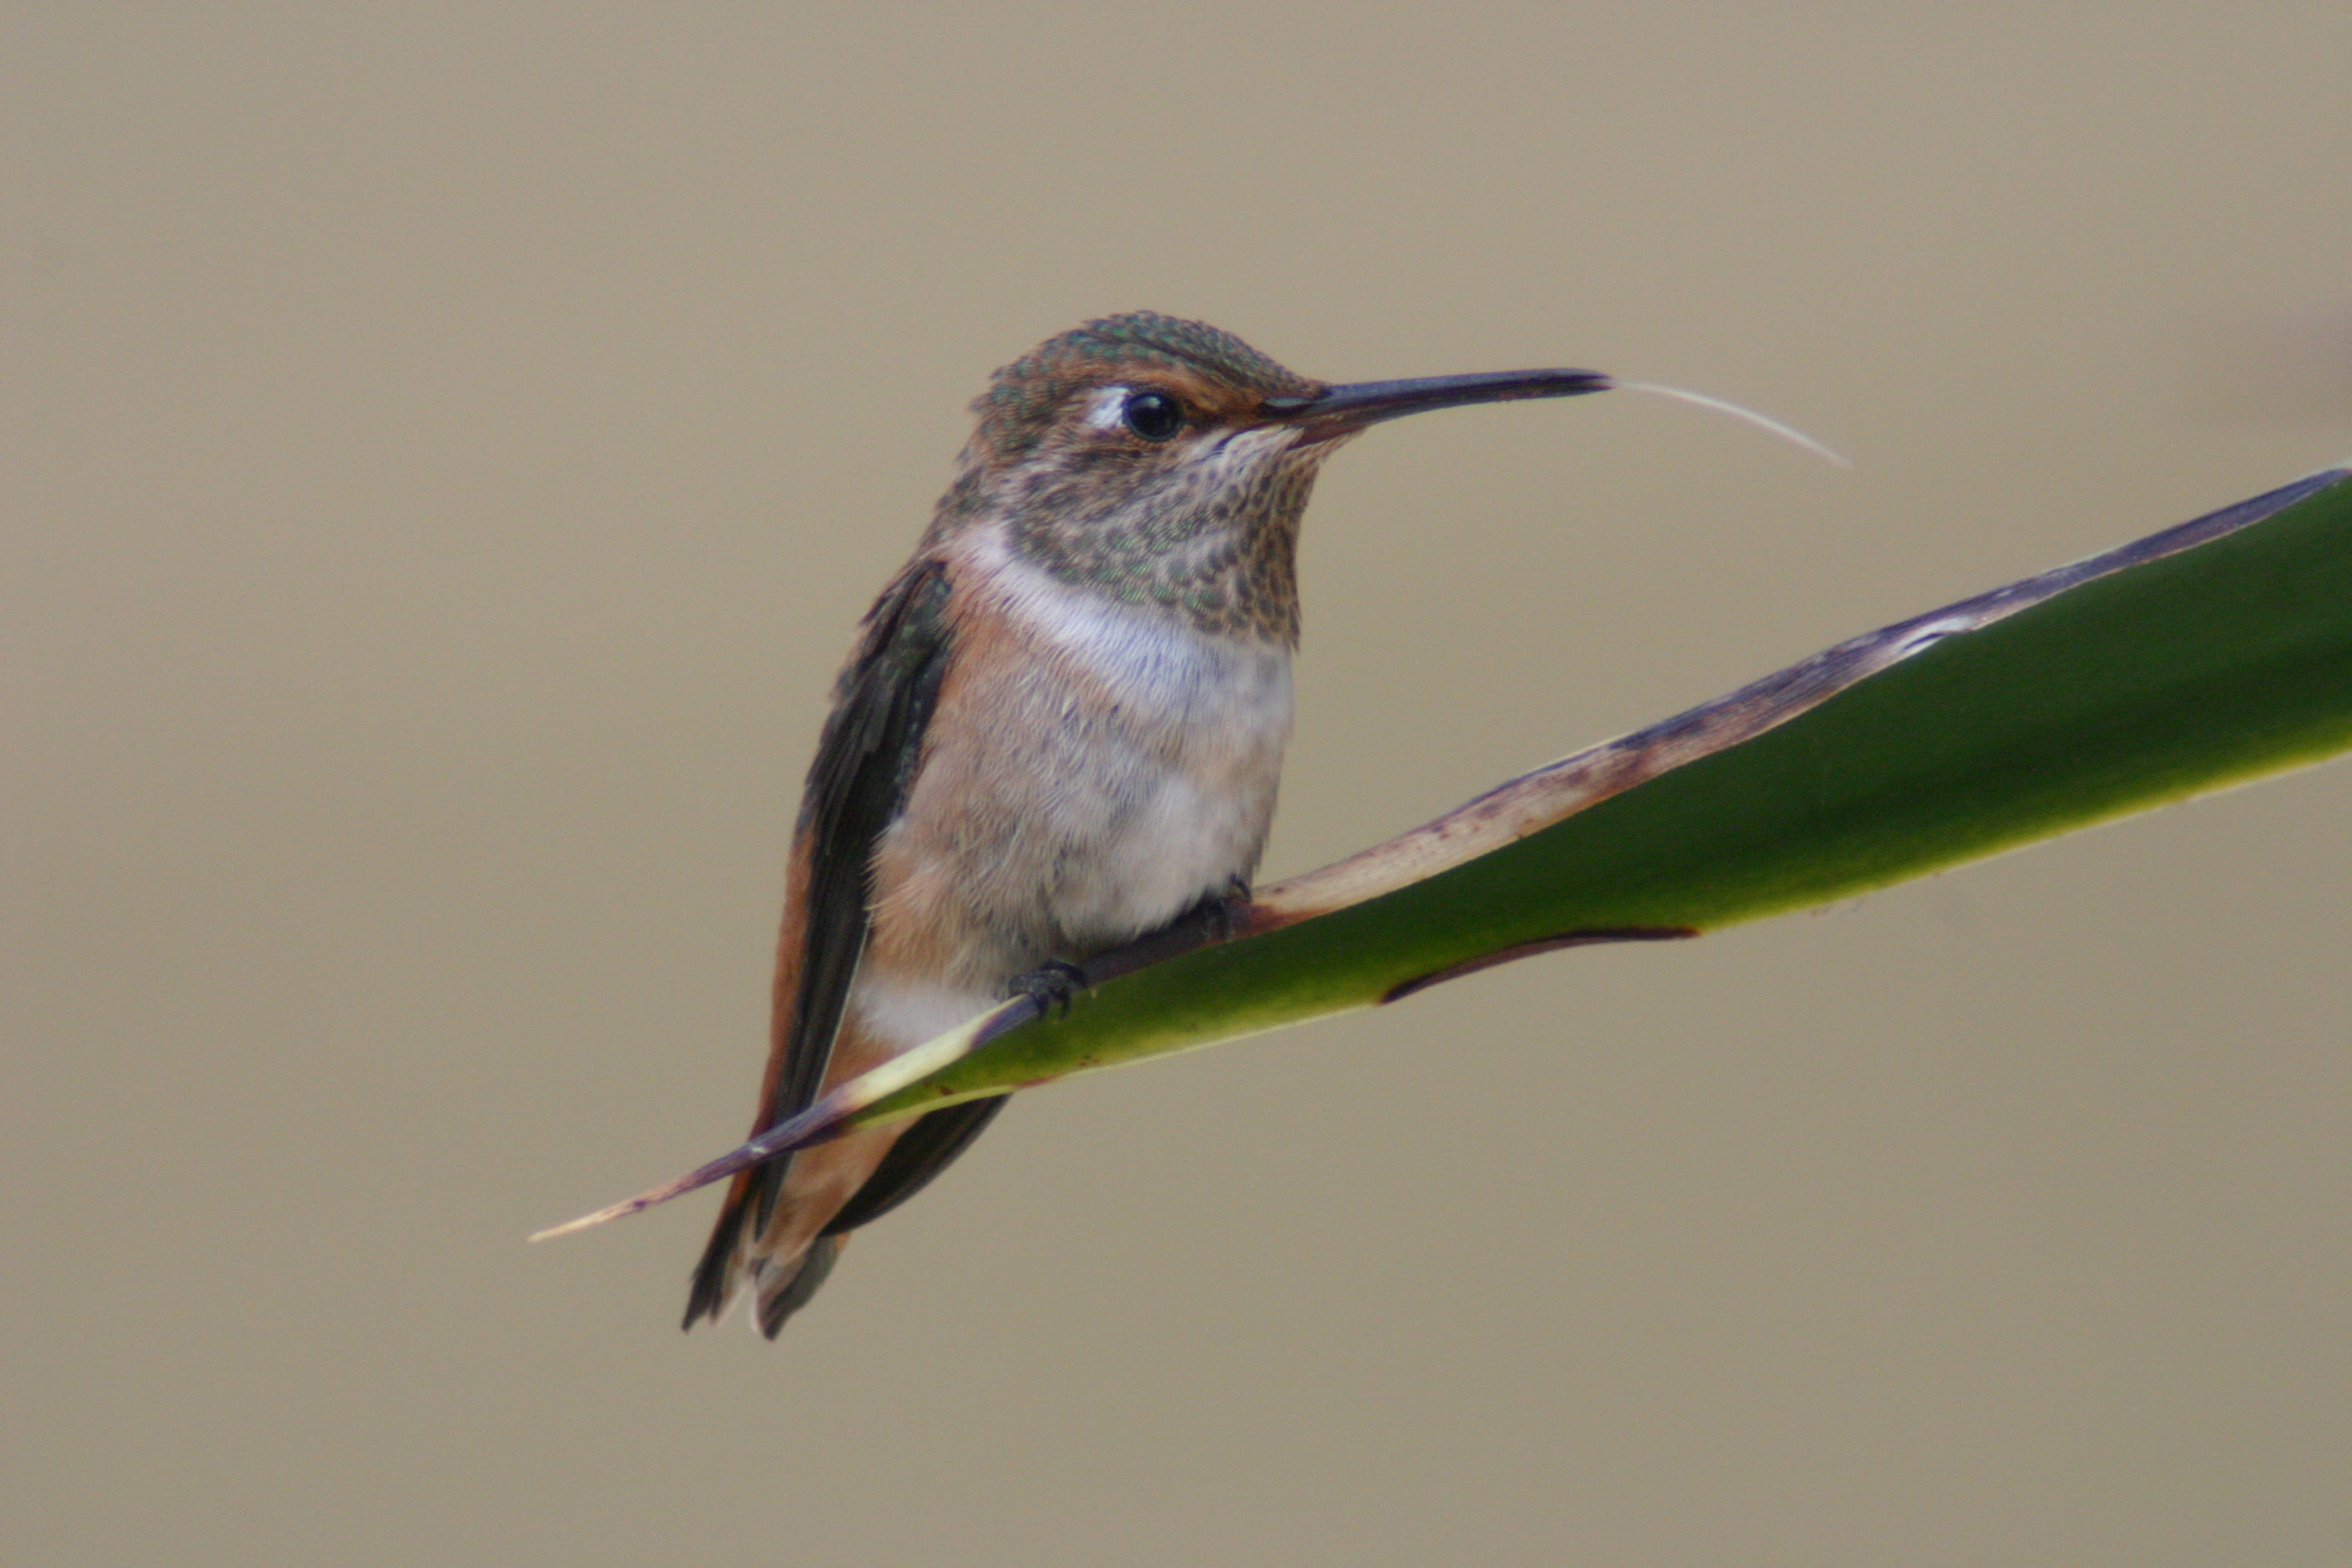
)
(1214, 916)
(1051, 986)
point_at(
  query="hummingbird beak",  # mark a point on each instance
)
(1344, 410)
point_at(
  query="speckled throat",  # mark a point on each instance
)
(1213, 541)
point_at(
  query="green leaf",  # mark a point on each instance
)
(2201, 656)
(2218, 664)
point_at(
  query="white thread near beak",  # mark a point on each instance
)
(1787, 432)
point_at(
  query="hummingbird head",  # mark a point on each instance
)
(1166, 463)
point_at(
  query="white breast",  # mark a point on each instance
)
(1182, 801)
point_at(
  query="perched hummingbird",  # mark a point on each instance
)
(1061, 729)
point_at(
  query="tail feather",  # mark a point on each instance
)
(787, 1291)
(784, 1222)
(713, 1290)
(782, 1285)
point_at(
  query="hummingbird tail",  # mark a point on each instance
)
(783, 1282)
(775, 1232)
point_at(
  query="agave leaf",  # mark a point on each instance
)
(2210, 654)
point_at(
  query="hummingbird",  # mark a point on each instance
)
(1061, 729)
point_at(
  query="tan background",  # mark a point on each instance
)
(450, 445)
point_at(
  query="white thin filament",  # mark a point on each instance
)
(1787, 432)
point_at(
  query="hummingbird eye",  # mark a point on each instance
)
(1154, 415)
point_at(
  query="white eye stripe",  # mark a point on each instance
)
(1108, 407)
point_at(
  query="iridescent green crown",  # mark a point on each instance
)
(1025, 394)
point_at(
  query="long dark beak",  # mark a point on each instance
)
(1343, 410)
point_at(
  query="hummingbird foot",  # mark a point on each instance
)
(1213, 916)
(1051, 986)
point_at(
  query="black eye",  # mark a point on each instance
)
(1154, 415)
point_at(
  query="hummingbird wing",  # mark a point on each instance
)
(866, 760)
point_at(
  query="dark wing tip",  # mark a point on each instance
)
(707, 1296)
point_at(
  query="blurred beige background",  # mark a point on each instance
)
(449, 446)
